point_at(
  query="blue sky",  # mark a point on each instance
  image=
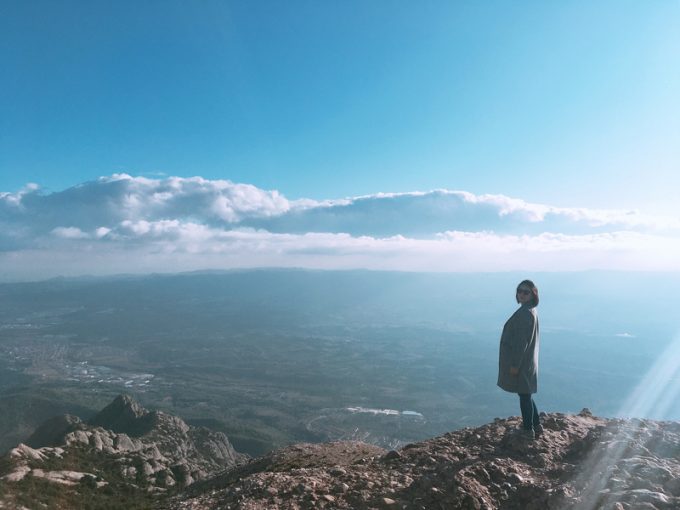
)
(445, 136)
(568, 103)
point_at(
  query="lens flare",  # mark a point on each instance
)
(653, 397)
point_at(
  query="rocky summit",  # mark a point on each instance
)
(579, 462)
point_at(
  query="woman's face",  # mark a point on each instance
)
(524, 295)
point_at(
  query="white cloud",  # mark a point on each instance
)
(142, 197)
(173, 246)
(101, 232)
(421, 214)
(14, 199)
(69, 233)
(122, 223)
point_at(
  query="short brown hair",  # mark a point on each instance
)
(534, 291)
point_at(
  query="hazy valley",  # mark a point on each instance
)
(272, 357)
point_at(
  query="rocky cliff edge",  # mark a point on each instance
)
(580, 462)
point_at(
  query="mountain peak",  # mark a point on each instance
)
(124, 415)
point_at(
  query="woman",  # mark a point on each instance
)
(518, 360)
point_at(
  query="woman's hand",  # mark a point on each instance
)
(514, 371)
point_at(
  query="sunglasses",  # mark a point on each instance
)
(524, 292)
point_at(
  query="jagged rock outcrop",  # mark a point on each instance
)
(124, 442)
(581, 462)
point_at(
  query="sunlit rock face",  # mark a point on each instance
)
(579, 462)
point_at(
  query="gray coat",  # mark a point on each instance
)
(519, 348)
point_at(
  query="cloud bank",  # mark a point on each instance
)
(121, 223)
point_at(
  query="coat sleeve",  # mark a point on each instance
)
(522, 333)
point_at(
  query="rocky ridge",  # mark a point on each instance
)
(127, 457)
(580, 462)
(123, 445)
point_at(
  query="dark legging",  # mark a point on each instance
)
(529, 411)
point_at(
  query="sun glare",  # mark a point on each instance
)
(653, 397)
